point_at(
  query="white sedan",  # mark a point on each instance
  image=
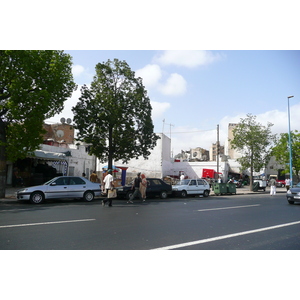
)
(61, 187)
(191, 187)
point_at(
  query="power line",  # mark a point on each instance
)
(193, 131)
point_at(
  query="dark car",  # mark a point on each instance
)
(293, 194)
(156, 187)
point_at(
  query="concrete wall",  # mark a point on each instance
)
(154, 166)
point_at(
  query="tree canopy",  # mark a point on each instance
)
(114, 114)
(281, 153)
(253, 141)
(33, 87)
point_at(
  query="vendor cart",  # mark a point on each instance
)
(262, 184)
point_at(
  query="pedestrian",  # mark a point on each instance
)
(108, 181)
(16, 178)
(272, 185)
(182, 176)
(83, 175)
(287, 183)
(136, 187)
(94, 177)
(143, 187)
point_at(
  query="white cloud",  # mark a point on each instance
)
(190, 58)
(158, 109)
(174, 86)
(77, 70)
(151, 74)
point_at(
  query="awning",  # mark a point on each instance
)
(47, 155)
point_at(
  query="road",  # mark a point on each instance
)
(233, 222)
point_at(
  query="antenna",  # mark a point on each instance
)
(63, 120)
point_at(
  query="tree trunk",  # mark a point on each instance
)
(251, 172)
(110, 150)
(2, 160)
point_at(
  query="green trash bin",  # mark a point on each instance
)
(220, 188)
(231, 188)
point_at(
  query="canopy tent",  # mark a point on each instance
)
(47, 155)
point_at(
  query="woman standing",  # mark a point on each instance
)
(143, 187)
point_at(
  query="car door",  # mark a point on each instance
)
(193, 187)
(59, 188)
(201, 186)
(154, 187)
(77, 187)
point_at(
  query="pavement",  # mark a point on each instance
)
(10, 192)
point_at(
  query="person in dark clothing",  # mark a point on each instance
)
(136, 186)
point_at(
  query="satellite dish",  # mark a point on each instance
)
(69, 121)
(63, 120)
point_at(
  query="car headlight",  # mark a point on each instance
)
(288, 192)
(175, 189)
(22, 190)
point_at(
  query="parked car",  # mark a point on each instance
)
(61, 187)
(191, 187)
(293, 194)
(156, 187)
(280, 183)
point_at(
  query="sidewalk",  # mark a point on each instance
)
(246, 190)
(10, 192)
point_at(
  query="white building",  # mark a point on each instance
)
(160, 164)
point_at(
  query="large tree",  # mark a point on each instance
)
(253, 141)
(114, 114)
(33, 87)
(281, 153)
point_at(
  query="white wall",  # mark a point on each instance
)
(79, 159)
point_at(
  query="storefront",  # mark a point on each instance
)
(39, 167)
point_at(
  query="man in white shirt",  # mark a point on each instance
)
(287, 183)
(108, 181)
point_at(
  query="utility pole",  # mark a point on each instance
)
(170, 133)
(218, 149)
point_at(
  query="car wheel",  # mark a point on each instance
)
(290, 201)
(183, 194)
(88, 196)
(37, 197)
(206, 193)
(163, 195)
(129, 194)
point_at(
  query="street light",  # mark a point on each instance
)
(290, 144)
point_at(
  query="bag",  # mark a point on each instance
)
(112, 193)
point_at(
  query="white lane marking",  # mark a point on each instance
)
(228, 207)
(226, 236)
(47, 223)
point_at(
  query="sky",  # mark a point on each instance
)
(193, 91)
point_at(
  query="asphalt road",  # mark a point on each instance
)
(233, 222)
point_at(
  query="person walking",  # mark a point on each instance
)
(136, 187)
(108, 181)
(94, 177)
(272, 184)
(143, 187)
(287, 183)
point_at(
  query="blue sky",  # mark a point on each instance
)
(196, 90)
